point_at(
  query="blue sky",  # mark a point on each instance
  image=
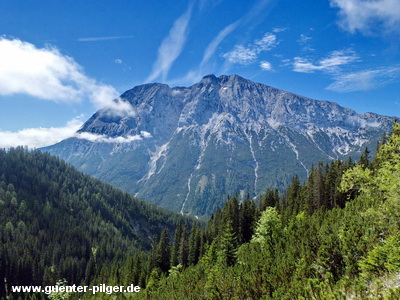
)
(60, 61)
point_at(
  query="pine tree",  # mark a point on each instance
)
(194, 245)
(176, 245)
(163, 252)
(246, 220)
(310, 192)
(293, 195)
(227, 246)
(183, 248)
(231, 213)
(364, 158)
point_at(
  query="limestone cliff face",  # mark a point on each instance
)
(186, 148)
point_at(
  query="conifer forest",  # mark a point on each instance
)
(335, 236)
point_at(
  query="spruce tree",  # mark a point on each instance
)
(227, 246)
(163, 252)
(183, 248)
(176, 245)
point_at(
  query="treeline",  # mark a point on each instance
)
(56, 223)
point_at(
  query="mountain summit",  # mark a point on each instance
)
(186, 148)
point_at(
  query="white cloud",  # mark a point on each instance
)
(42, 137)
(39, 137)
(102, 138)
(118, 61)
(104, 38)
(365, 80)
(196, 74)
(210, 50)
(171, 47)
(304, 39)
(266, 66)
(369, 16)
(255, 10)
(267, 43)
(279, 29)
(328, 64)
(204, 67)
(47, 74)
(247, 55)
(241, 55)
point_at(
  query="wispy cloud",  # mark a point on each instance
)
(241, 55)
(365, 80)
(104, 38)
(304, 42)
(205, 3)
(255, 10)
(39, 137)
(329, 64)
(45, 73)
(344, 81)
(246, 55)
(303, 39)
(279, 29)
(369, 16)
(211, 48)
(266, 43)
(171, 47)
(196, 74)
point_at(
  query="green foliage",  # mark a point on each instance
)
(56, 223)
(60, 295)
(383, 258)
(227, 246)
(269, 227)
(334, 237)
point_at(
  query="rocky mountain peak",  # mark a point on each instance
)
(186, 148)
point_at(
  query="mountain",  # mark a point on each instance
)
(186, 148)
(56, 222)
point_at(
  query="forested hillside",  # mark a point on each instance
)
(193, 263)
(334, 237)
(56, 223)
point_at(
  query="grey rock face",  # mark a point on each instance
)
(186, 148)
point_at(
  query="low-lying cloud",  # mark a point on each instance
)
(39, 137)
(102, 138)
